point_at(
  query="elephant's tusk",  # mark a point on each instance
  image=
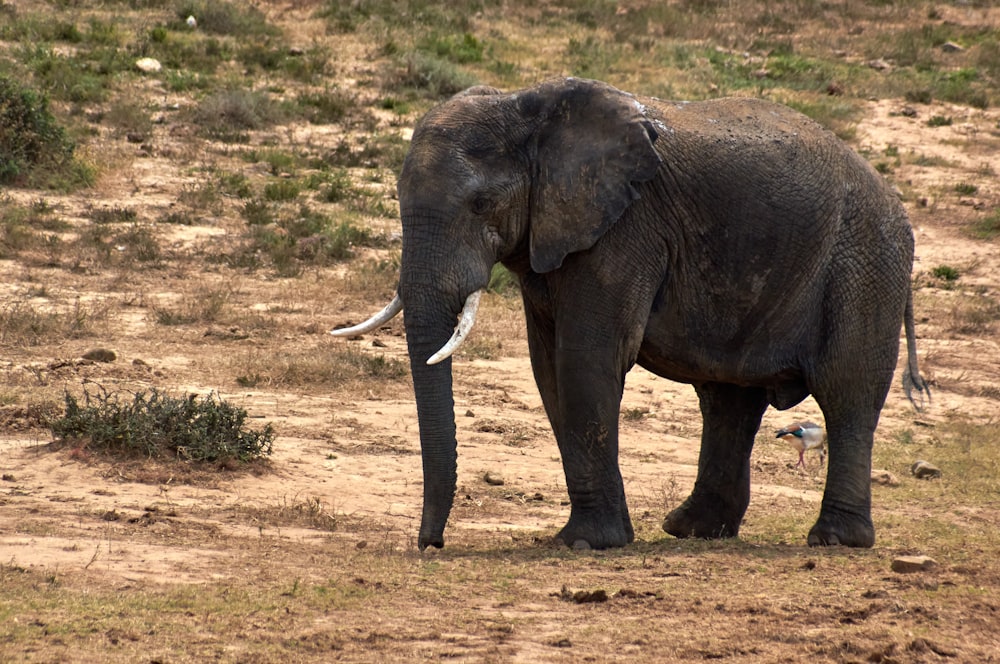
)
(384, 316)
(465, 324)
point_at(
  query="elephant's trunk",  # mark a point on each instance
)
(428, 327)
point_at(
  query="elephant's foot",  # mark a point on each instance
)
(837, 527)
(698, 518)
(597, 532)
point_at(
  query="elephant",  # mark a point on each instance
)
(732, 244)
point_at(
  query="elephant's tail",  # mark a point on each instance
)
(911, 374)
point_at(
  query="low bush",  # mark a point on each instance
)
(159, 426)
(34, 148)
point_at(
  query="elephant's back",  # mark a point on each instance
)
(738, 120)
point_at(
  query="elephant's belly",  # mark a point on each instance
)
(746, 366)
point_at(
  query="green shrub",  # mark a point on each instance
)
(228, 116)
(225, 18)
(945, 273)
(503, 282)
(281, 190)
(30, 137)
(430, 73)
(161, 427)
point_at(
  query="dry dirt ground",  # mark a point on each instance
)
(313, 557)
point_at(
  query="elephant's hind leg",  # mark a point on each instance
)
(731, 416)
(845, 514)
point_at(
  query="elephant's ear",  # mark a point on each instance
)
(592, 144)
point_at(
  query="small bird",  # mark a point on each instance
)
(805, 436)
(192, 22)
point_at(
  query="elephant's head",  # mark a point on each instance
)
(534, 175)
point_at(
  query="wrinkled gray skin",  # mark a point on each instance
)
(731, 244)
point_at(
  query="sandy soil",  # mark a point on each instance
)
(345, 474)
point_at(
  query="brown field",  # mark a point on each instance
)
(311, 555)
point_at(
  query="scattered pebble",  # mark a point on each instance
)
(910, 564)
(100, 355)
(884, 477)
(493, 479)
(148, 65)
(925, 471)
(582, 596)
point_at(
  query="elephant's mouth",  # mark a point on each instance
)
(465, 322)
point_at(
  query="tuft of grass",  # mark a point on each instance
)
(112, 214)
(986, 228)
(945, 273)
(284, 189)
(22, 324)
(158, 426)
(433, 75)
(326, 107)
(207, 305)
(333, 366)
(225, 18)
(975, 315)
(228, 116)
(290, 239)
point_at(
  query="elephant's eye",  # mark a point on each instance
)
(482, 204)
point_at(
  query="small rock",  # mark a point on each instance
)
(493, 479)
(910, 564)
(296, 51)
(951, 47)
(878, 65)
(925, 471)
(884, 477)
(148, 65)
(908, 111)
(100, 355)
(378, 343)
(590, 596)
(582, 596)
(135, 137)
(581, 545)
(469, 413)
(361, 544)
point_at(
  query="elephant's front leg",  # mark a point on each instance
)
(589, 387)
(582, 406)
(730, 419)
